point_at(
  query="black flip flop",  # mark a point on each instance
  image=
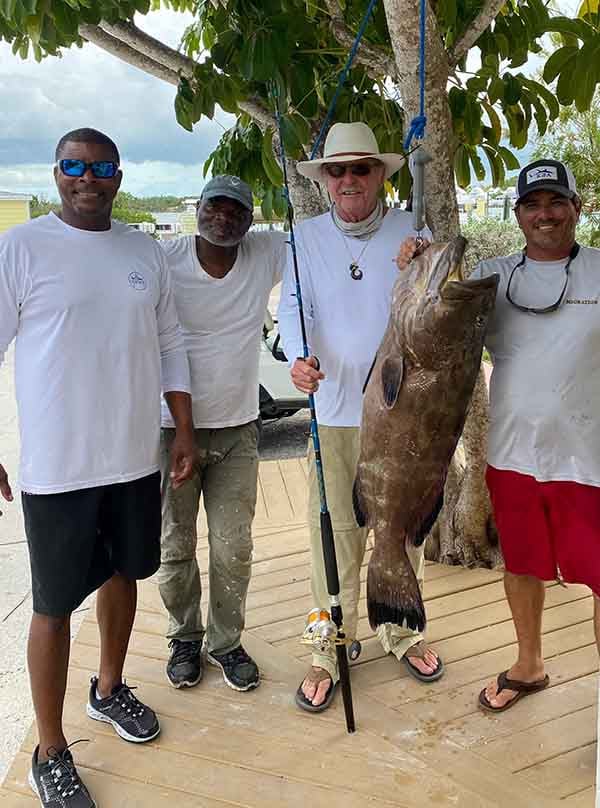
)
(307, 705)
(425, 677)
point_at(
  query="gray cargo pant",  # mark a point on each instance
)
(339, 450)
(226, 476)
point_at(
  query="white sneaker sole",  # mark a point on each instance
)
(239, 689)
(34, 788)
(98, 716)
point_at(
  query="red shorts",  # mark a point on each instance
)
(545, 527)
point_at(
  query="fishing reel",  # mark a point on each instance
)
(322, 634)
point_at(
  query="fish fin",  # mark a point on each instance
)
(393, 594)
(369, 374)
(391, 377)
(429, 521)
(360, 512)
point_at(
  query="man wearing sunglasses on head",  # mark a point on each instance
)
(222, 278)
(347, 272)
(89, 303)
(543, 469)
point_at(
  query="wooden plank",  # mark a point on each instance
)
(583, 799)
(541, 742)
(427, 711)
(294, 480)
(111, 791)
(566, 774)
(278, 505)
(383, 674)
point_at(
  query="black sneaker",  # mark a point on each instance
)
(131, 719)
(239, 670)
(57, 783)
(185, 666)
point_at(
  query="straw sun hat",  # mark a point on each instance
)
(347, 142)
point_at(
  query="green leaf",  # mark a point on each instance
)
(462, 166)
(291, 140)
(512, 89)
(559, 61)
(564, 25)
(496, 90)
(477, 164)
(548, 97)
(566, 85)
(472, 121)
(496, 165)
(587, 69)
(510, 161)
(183, 113)
(494, 120)
(516, 126)
(266, 205)
(270, 164)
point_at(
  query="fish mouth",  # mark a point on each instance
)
(439, 264)
(467, 289)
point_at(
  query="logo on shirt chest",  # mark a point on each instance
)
(137, 281)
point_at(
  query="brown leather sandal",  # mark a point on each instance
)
(315, 675)
(521, 689)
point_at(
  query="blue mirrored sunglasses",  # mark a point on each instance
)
(101, 169)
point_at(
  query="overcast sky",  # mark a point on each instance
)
(88, 87)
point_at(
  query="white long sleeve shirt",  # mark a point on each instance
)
(96, 330)
(545, 385)
(345, 318)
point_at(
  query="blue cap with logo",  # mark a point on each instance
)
(546, 175)
(230, 187)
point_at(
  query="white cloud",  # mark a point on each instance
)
(88, 87)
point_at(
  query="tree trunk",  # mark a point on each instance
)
(464, 532)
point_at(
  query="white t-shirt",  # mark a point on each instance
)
(95, 324)
(222, 321)
(345, 318)
(545, 386)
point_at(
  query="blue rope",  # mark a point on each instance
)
(343, 77)
(419, 122)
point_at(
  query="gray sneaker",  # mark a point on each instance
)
(130, 719)
(57, 783)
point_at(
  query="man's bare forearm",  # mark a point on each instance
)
(180, 406)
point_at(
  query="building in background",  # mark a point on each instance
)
(14, 209)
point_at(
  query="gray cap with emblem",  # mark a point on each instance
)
(230, 187)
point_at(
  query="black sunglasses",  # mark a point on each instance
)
(337, 170)
(101, 169)
(545, 309)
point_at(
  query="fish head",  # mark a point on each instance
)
(437, 309)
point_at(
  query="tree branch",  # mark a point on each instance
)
(489, 12)
(134, 46)
(375, 59)
(114, 46)
(142, 42)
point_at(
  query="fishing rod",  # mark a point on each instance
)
(325, 632)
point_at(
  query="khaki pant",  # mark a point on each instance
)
(226, 475)
(339, 451)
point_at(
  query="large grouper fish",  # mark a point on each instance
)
(415, 403)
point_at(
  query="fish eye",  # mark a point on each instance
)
(479, 321)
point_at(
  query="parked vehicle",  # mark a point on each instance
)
(277, 395)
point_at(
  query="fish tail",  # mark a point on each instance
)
(393, 594)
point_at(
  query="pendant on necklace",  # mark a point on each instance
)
(355, 272)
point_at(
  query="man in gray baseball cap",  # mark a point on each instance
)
(221, 278)
(229, 187)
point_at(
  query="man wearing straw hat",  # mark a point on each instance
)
(347, 271)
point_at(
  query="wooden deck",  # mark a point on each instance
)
(416, 745)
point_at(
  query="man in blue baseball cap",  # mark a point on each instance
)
(222, 278)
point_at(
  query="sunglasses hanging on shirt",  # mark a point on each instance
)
(544, 309)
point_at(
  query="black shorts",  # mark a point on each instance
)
(79, 539)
